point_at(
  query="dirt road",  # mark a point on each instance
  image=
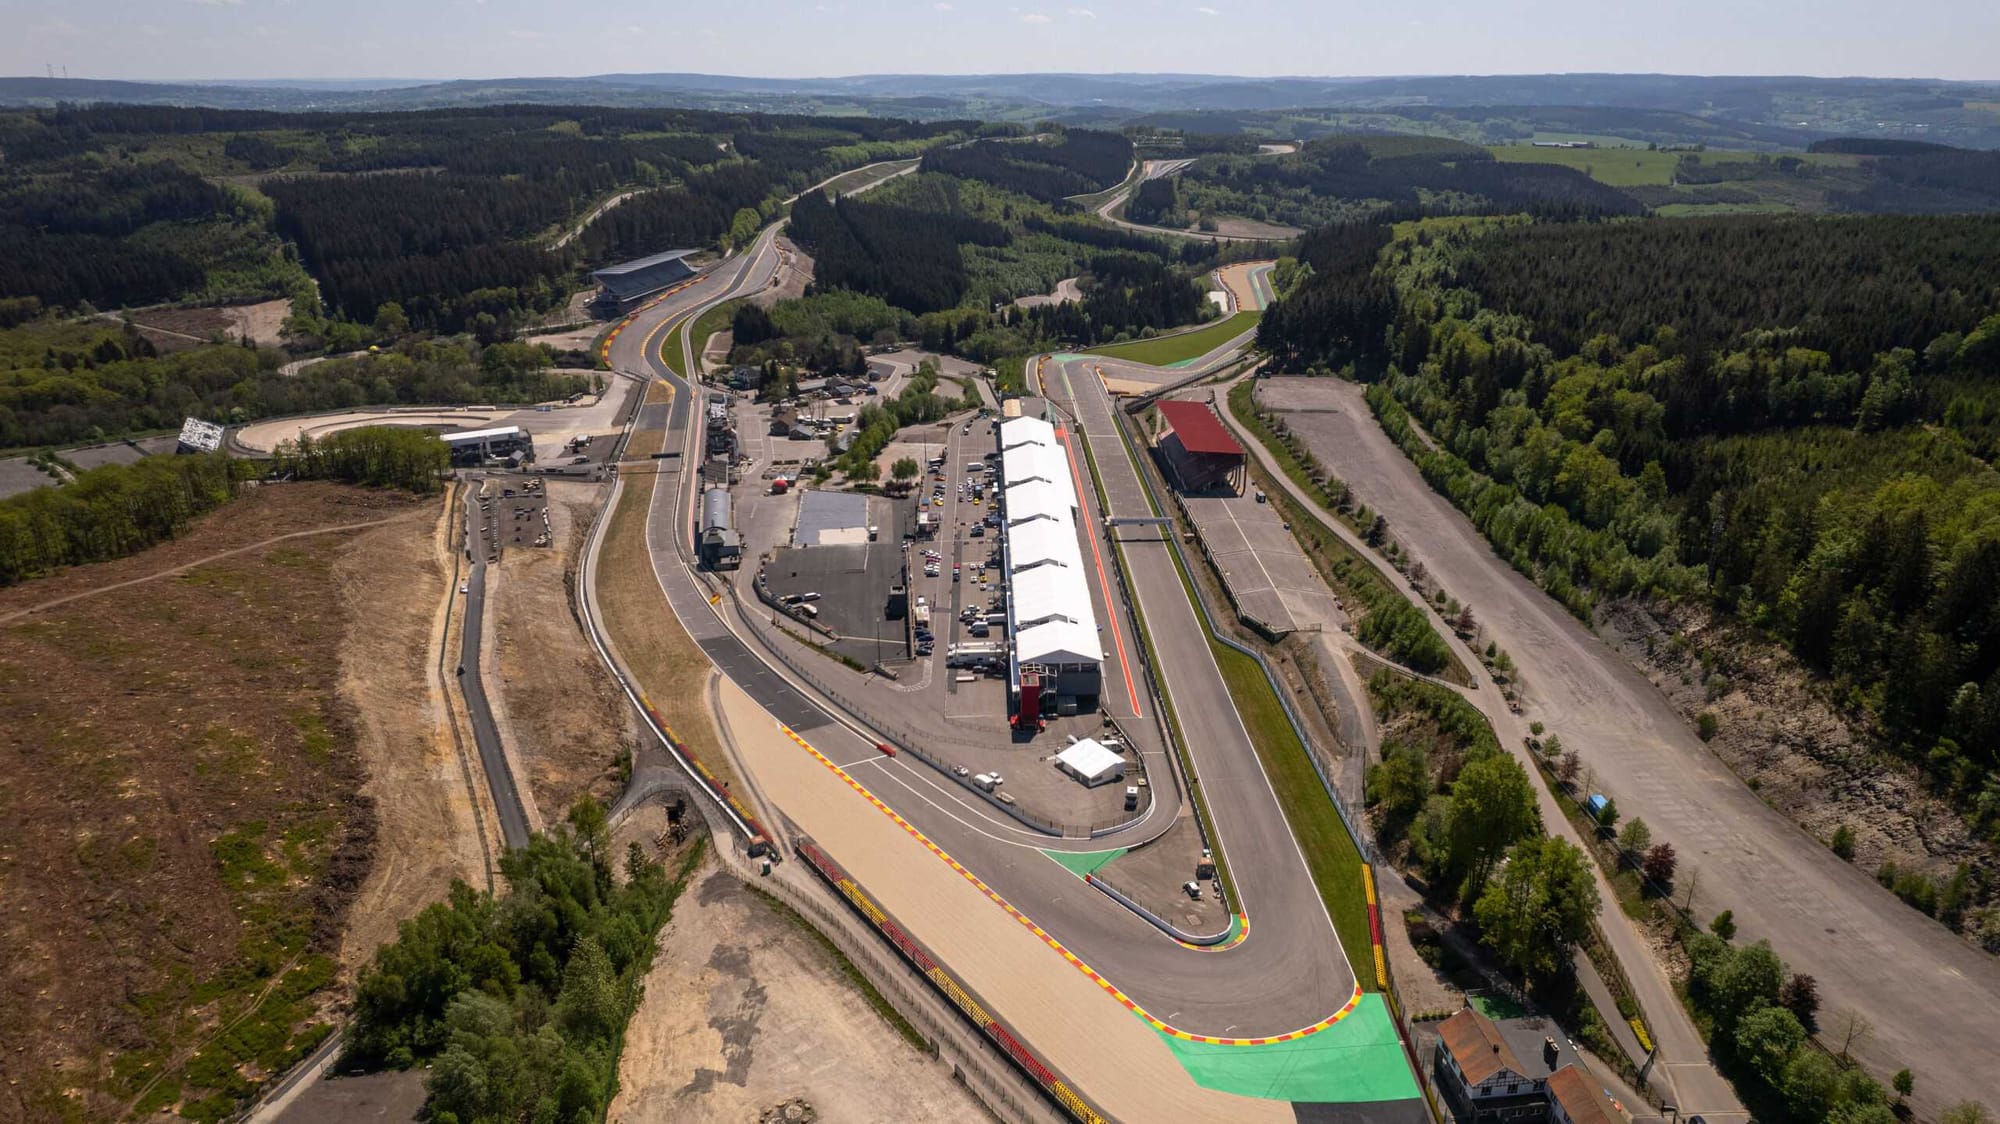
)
(1933, 999)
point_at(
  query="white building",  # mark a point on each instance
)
(1091, 762)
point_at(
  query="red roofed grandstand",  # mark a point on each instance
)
(1199, 452)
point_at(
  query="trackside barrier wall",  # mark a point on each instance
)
(1361, 841)
(1164, 926)
(907, 742)
(1018, 1053)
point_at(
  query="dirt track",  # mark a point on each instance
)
(1933, 999)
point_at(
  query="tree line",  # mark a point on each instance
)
(1080, 162)
(517, 1004)
(109, 512)
(1746, 421)
(375, 456)
(63, 384)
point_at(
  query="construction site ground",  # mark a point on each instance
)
(560, 710)
(182, 773)
(745, 1009)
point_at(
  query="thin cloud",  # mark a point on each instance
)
(217, 3)
(1208, 11)
(1083, 13)
(1034, 17)
(941, 6)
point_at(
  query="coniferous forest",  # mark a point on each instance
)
(1792, 420)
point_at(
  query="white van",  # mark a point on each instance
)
(975, 466)
(986, 782)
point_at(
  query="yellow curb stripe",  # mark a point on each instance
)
(1110, 988)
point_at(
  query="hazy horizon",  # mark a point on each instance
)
(383, 40)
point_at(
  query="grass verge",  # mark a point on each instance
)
(713, 320)
(1163, 350)
(664, 661)
(1332, 858)
(876, 1001)
(670, 350)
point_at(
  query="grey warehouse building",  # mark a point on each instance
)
(721, 547)
(624, 285)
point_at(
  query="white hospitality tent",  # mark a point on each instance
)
(1026, 431)
(1043, 542)
(1028, 463)
(1039, 499)
(1049, 593)
(1058, 644)
(1092, 763)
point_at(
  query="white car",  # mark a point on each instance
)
(465, 587)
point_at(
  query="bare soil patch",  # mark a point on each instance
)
(565, 714)
(393, 582)
(1800, 754)
(187, 829)
(262, 322)
(744, 1010)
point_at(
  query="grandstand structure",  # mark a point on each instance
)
(1056, 665)
(1199, 451)
(621, 287)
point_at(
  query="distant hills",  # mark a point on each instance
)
(1752, 112)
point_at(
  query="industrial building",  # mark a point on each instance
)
(1199, 451)
(623, 286)
(478, 446)
(1057, 659)
(720, 546)
(721, 428)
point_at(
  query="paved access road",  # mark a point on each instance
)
(481, 549)
(1934, 1000)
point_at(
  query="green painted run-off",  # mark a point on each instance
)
(1086, 862)
(1356, 1060)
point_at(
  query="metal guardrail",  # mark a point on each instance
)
(907, 741)
(1158, 922)
(1017, 1052)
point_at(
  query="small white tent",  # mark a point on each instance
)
(1092, 763)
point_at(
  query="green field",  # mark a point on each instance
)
(1166, 350)
(1330, 853)
(1639, 167)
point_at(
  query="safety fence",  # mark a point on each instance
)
(994, 1031)
(1362, 843)
(907, 741)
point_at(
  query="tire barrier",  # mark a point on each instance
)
(1023, 1058)
(1162, 924)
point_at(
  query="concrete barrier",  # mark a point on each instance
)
(1160, 923)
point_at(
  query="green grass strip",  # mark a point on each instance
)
(670, 350)
(1165, 350)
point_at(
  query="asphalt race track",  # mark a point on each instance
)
(1286, 978)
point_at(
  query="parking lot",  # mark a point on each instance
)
(1272, 581)
(512, 512)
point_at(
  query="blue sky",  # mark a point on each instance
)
(180, 39)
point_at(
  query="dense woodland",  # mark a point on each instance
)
(447, 214)
(1797, 429)
(516, 1005)
(1079, 162)
(1351, 178)
(89, 381)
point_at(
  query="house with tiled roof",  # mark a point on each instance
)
(1481, 1076)
(1576, 1099)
